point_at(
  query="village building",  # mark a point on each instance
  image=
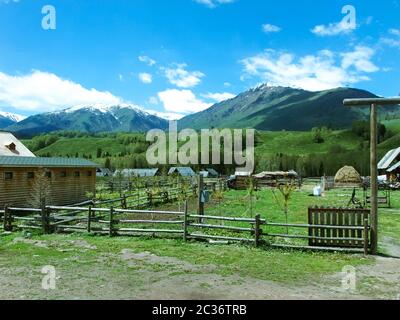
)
(27, 181)
(103, 172)
(274, 178)
(390, 165)
(138, 173)
(209, 173)
(182, 171)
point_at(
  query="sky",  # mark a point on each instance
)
(177, 57)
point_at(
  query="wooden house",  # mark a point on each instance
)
(138, 173)
(209, 173)
(60, 181)
(182, 171)
(274, 178)
(390, 165)
(103, 172)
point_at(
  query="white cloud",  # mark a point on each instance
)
(392, 41)
(146, 78)
(42, 91)
(168, 115)
(213, 3)
(147, 60)
(227, 84)
(333, 29)
(219, 97)
(182, 101)
(321, 71)
(182, 78)
(270, 28)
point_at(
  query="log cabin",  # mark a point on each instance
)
(26, 181)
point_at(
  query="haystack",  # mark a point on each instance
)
(347, 176)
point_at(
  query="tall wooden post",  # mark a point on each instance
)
(373, 103)
(374, 179)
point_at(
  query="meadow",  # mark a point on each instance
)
(131, 267)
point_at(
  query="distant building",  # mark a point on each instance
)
(103, 172)
(182, 171)
(390, 164)
(209, 173)
(139, 173)
(12, 147)
(61, 181)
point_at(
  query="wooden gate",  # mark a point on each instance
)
(337, 227)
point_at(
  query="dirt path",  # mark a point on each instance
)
(142, 275)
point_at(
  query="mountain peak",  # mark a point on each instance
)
(12, 116)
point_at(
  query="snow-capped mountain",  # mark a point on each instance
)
(94, 118)
(8, 119)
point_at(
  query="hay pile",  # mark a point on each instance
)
(347, 176)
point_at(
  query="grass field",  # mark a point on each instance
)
(142, 267)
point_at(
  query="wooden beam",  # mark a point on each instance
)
(374, 179)
(369, 102)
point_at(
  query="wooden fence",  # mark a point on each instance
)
(328, 228)
(116, 222)
(334, 229)
(145, 199)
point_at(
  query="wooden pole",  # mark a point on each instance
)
(257, 232)
(89, 219)
(111, 232)
(200, 210)
(185, 222)
(366, 237)
(374, 180)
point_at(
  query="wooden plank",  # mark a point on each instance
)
(213, 226)
(205, 236)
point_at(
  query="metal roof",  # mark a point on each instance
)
(6, 161)
(183, 171)
(388, 159)
(138, 172)
(396, 166)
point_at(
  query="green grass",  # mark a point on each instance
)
(276, 265)
(302, 143)
(87, 146)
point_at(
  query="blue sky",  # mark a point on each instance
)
(180, 56)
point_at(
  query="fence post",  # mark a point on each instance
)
(89, 219)
(7, 219)
(123, 201)
(43, 216)
(185, 221)
(200, 203)
(257, 232)
(366, 237)
(48, 225)
(111, 233)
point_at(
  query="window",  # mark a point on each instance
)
(89, 173)
(77, 174)
(8, 175)
(31, 175)
(48, 174)
(63, 174)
